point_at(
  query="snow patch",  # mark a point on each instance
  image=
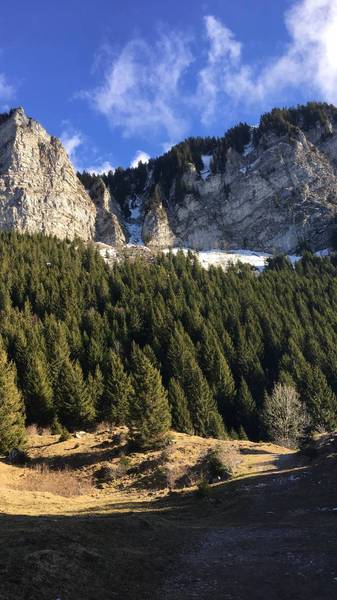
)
(206, 161)
(225, 258)
(248, 148)
(134, 222)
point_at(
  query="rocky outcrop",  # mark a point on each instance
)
(39, 189)
(108, 228)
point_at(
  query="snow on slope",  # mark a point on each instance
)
(134, 223)
(206, 159)
(223, 258)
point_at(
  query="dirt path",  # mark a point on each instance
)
(281, 544)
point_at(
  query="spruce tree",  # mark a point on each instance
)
(320, 399)
(115, 403)
(246, 412)
(149, 418)
(75, 408)
(205, 417)
(95, 386)
(181, 418)
(12, 420)
(39, 393)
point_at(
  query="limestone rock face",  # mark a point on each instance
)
(275, 197)
(108, 217)
(39, 189)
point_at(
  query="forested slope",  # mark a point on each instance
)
(84, 336)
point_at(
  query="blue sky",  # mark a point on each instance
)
(117, 80)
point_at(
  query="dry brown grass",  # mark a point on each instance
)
(61, 482)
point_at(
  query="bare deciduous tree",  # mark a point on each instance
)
(285, 416)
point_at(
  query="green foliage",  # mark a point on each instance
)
(75, 406)
(12, 429)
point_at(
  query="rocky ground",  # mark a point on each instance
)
(142, 532)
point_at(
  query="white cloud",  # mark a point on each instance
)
(140, 156)
(6, 90)
(308, 63)
(141, 91)
(100, 168)
(71, 141)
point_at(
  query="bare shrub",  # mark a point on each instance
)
(223, 461)
(61, 482)
(285, 416)
(103, 427)
(44, 430)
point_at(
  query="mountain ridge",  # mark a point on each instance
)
(271, 188)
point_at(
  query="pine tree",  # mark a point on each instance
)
(181, 418)
(217, 372)
(115, 404)
(150, 417)
(12, 421)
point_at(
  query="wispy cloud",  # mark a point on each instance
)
(81, 151)
(6, 89)
(141, 91)
(158, 90)
(71, 140)
(140, 156)
(98, 169)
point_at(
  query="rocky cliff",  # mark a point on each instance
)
(277, 192)
(39, 189)
(268, 188)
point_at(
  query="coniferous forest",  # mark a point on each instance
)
(150, 344)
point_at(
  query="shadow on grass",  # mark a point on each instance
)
(129, 550)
